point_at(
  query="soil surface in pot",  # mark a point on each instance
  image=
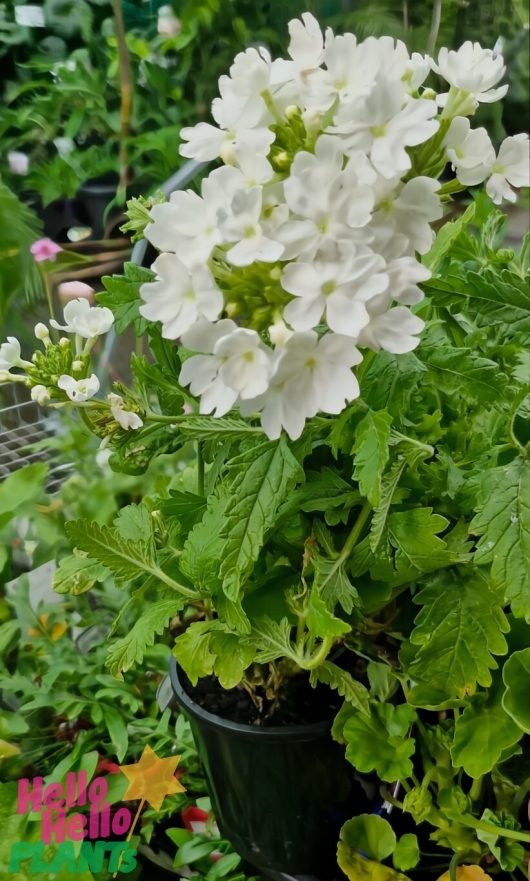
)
(298, 703)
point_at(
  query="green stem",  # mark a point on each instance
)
(200, 470)
(476, 789)
(435, 26)
(455, 862)
(320, 655)
(351, 541)
(47, 288)
(484, 826)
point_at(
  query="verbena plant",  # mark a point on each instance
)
(333, 521)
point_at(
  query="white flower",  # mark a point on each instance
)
(473, 71)
(10, 354)
(470, 151)
(179, 296)
(310, 374)
(206, 142)
(241, 224)
(411, 212)
(328, 204)
(126, 418)
(18, 162)
(404, 274)
(511, 166)
(387, 123)
(85, 320)
(392, 330)
(306, 47)
(41, 395)
(187, 224)
(234, 363)
(79, 390)
(339, 290)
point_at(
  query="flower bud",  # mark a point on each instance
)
(291, 111)
(41, 332)
(64, 341)
(77, 365)
(41, 395)
(279, 333)
(312, 120)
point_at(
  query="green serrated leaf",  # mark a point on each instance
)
(352, 691)
(483, 732)
(371, 453)
(389, 485)
(359, 868)
(370, 834)
(414, 534)
(516, 677)
(407, 852)
(333, 584)
(217, 428)
(122, 296)
(192, 650)
(203, 548)
(446, 237)
(130, 649)
(503, 524)
(134, 523)
(260, 480)
(459, 629)
(125, 559)
(232, 657)
(464, 371)
(320, 621)
(509, 854)
(76, 574)
(380, 742)
(271, 640)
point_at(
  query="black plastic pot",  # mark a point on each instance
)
(279, 794)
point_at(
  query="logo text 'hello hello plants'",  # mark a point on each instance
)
(78, 839)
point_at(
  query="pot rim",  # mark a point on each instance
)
(308, 731)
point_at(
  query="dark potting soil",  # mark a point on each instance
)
(298, 703)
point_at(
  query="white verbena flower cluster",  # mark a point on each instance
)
(304, 245)
(86, 323)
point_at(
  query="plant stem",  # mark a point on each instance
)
(455, 861)
(200, 470)
(126, 91)
(320, 655)
(484, 826)
(435, 26)
(476, 789)
(351, 541)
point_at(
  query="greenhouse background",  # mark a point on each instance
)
(192, 586)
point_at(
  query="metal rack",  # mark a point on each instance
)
(23, 425)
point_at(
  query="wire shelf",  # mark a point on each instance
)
(22, 426)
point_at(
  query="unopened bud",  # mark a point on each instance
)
(428, 94)
(77, 365)
(312, 120)
(41, 332)
(291, 111)
(41, 395)
(64, 341)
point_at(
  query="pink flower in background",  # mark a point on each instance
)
(44, 249)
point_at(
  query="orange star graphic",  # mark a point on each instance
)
(151, 779)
